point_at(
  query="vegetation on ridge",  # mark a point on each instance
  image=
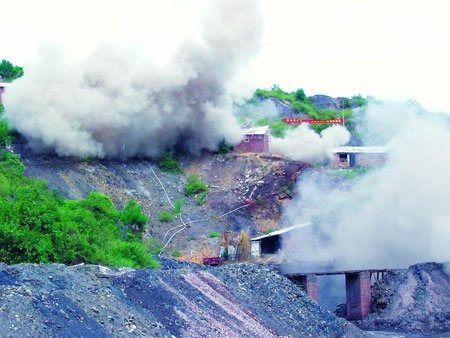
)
(302, 104)
(38, 226)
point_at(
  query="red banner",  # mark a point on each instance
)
(313, 121)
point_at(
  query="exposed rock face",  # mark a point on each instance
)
(326, 102)
(417, 299)
(180, 300)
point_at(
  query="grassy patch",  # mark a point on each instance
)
(195, 185)
(169, 165)
(165, 216)
(176, 253)
(214, 234)
(201, 198)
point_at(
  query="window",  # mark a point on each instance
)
(343, 158)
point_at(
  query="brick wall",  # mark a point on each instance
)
(254, 144)
(358, 295)
(370, 160)
(309, 284)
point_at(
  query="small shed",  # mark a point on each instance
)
(3, 85)
(271, 244)
(347, 157)
(256, 140)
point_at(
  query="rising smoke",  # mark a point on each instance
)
(304, 144)
(393, 216)
(117, 104)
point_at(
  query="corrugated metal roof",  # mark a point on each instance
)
(256, 130)
(281, 231)
(367, 150)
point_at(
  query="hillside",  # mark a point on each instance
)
(178, 301)
(263, 183)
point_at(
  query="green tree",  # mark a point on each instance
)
(133, 219)
(8, 72)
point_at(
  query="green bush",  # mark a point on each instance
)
(201, 198)
(133, 219)
(8, 72)
(224, 148)
(269, 231)
(176, 253)
(165, 216)
(169, 165)
(214, 234)
(38, 225)
(195, 185)
(177, 210)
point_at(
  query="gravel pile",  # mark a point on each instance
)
(414, 300)
(179, 300)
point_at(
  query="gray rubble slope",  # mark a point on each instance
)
(179, 300)
(417, 299)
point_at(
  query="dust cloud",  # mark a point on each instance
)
(392, 216)
(118, 104)
(304, 144)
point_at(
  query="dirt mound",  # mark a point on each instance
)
(417, 299)
(180, 300)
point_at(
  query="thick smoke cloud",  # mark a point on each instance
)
(117, 104)
(304, 144)
(393, 216)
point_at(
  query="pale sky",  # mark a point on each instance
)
(388, 49)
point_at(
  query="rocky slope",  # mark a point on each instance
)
(261, 182)
(415, 300)
(179, 300)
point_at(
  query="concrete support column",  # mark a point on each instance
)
(358, 290)
(309, 284)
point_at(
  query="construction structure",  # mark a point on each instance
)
(348, 157)
(270, 244)
(357, 287)
(256, 140)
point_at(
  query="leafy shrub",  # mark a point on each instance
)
(269, 231)
(195, 185)
(259, 200)
(165, 216)
(154, 245)
(201, 198)
(224, 148)
(8, 72)
(169, 165)
(133, 219)
(177, 210)
(176, 253)
(38, 225)
(214, 234)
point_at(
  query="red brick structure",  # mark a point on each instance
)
(358, 290)
(357, 286)
(256, 140)
(347, 157)
(309, 284)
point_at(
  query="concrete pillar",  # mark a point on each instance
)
(309, 284)
(358, 290)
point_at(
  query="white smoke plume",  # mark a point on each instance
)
(118, 104)
(392, 216)
(304, 144)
